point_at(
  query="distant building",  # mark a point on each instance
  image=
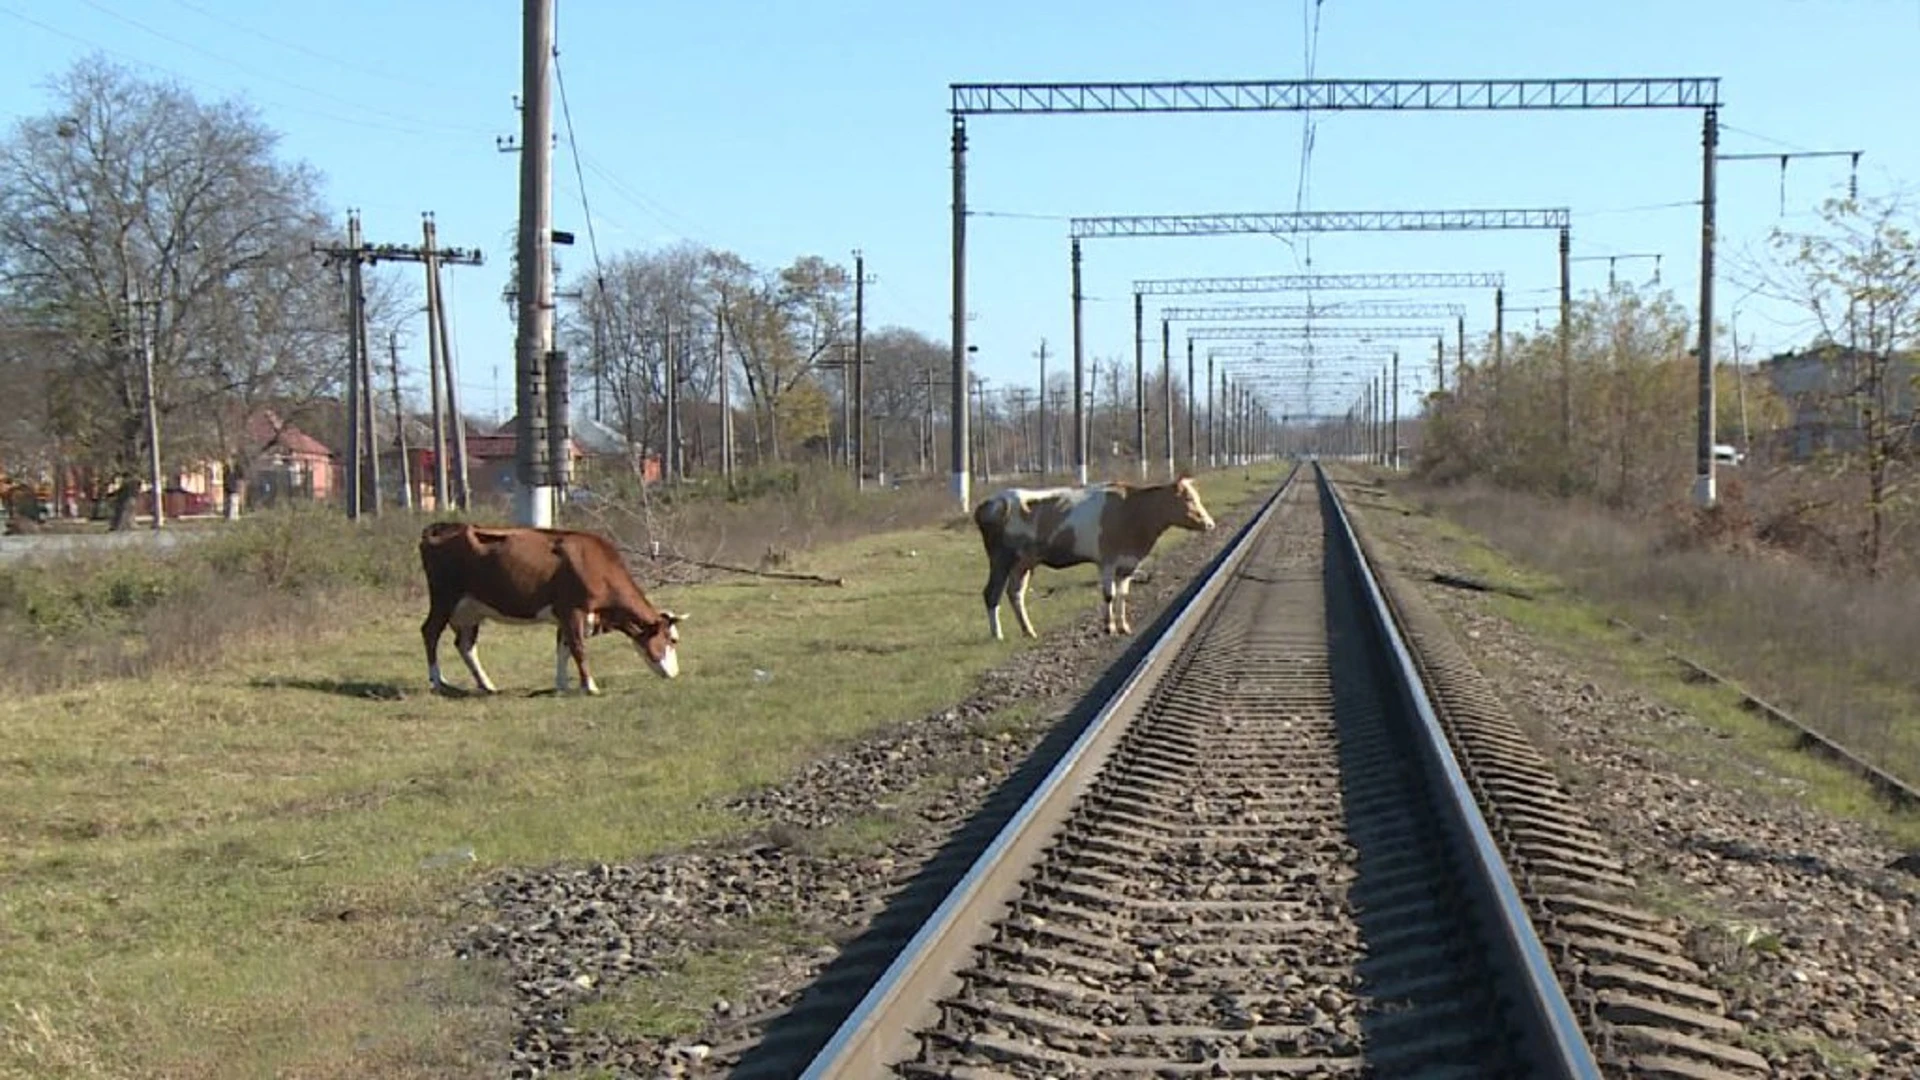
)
(1822, 391)
(288, 464)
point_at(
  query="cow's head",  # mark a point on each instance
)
(1195, 514)
(656, 639)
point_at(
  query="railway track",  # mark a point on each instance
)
(1266, 855)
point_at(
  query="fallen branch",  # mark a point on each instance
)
(656, 555)
(783, 575)
(1476, 585)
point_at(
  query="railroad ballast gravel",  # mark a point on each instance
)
(568, 935)
(1795, 914)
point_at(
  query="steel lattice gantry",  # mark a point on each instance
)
(1161, 225)
(1316, 221)
(1334, 95)
(1356, 309)
(1345, 333)
(1200, 286)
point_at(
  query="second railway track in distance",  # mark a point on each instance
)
(1262, 858)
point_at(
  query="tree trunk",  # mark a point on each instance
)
(232, 487)
(124, 504)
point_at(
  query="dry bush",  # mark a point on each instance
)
(128, 613)
(1835, 650)
(772, 515)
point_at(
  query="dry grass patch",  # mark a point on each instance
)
(1745, 751)
(229, 869)
(1834, 652)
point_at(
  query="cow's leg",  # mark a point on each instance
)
(430, 631)
(562, 656)
(467, 639)
(1107, 593)
(573, 637)
(1122, 585)
(1017, 592)
(998, 570)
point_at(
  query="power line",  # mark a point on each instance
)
(238, 66)
(573, 149)
(299, 48)
(224, 91)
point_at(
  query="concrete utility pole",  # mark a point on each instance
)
(962, 478)
(726, 392)
(1082, 418)
(1046, 448)
(1139, 386)
(1393, 456)
(926, 428)
(1192, 417)
(859, 371)
(534, 467)
(399, 420)
(1166, 393)
(1705, 493)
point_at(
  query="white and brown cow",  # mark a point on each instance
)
(1114, 525)
(522, 576)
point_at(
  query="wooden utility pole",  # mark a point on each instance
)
(440, 363)
(154, 469)
(399, 420)
(726, 392)
(433, 373)
(670, 395)
(354, 502)
(368, 401)
(357, 253)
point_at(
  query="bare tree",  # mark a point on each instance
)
(1858, 275)
(138, 216)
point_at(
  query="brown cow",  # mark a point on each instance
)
(521, 576)
(1114, 525)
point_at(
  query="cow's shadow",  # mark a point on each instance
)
(361, 689)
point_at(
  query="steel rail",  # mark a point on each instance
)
(873, 1036)
(1554, 1043)
(884, 1027)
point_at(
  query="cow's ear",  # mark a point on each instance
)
(673, 618)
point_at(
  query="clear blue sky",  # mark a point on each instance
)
(779, 129)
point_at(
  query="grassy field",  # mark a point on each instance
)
(1575, 624)
(228, 868)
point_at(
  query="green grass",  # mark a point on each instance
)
(1749, 752)
(230, 871)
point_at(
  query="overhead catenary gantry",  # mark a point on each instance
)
(1279, 283)
(1359, 309)
(1332, 95)
(1231, 224)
